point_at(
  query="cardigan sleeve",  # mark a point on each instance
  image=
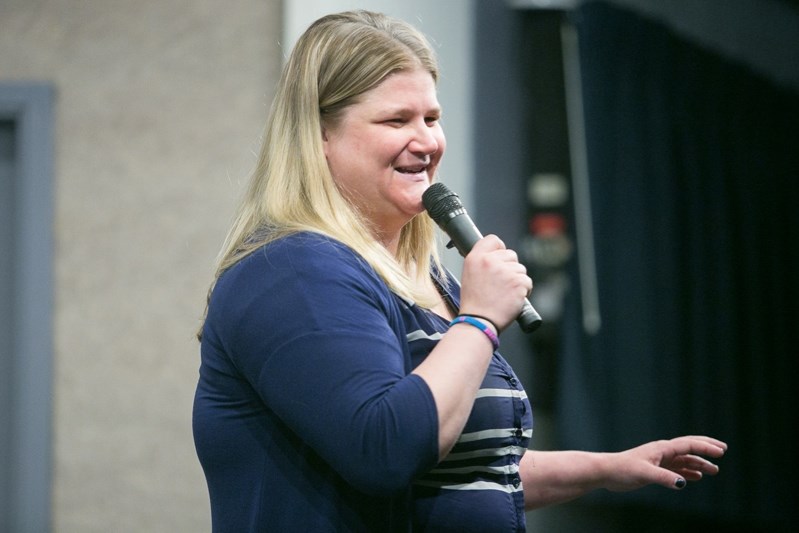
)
(309, 326)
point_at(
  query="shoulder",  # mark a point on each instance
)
(300, 268)
(311, 249)
(295, 286)
(306, 256)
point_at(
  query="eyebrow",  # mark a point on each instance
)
(408, 111)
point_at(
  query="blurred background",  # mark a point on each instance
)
(641, 155)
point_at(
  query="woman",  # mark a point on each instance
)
(348, 382)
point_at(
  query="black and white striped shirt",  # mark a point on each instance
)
(477, 487)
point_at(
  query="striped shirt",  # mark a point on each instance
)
(477, 487)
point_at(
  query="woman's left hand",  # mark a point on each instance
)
(669, 463)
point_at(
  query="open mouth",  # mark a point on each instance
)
(413, 169)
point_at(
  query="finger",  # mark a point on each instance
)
(693, 463)
(697, 463)
(510, 256)
(675, 480)
(684, 469)
(505, 255)
(697, 445)
(664, 477)
(709, 440)
(489, 243)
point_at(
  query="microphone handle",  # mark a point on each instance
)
(528, 319)
(464, 234)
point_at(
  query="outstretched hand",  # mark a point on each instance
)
(670, 463)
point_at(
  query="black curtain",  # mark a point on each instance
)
(694, 171)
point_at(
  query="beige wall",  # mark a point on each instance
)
(159, 108)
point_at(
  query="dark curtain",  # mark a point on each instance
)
(694, 169)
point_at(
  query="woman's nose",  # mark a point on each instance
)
(424, 141)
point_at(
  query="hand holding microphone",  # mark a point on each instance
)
(446, 209)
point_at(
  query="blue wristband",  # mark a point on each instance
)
(466, 319)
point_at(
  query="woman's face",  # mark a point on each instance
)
(385, 150)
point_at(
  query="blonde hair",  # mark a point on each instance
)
(336, 60)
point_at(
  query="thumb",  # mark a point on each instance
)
(671, 480)
(664, 477)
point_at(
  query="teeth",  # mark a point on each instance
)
(409, 170)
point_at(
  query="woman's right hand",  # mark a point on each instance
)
(493, 282)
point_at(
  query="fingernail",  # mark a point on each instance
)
(679, 483)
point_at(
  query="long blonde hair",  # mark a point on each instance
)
(337, 59)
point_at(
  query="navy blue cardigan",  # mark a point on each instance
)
(306, 416)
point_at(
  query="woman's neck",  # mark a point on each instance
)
(390, 242)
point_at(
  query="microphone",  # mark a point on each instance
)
(446, 209)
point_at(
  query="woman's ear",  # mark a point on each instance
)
(324, 140)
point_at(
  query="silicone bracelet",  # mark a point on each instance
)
(466, 319)
(484, 319)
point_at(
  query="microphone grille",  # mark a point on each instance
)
(440, 201)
